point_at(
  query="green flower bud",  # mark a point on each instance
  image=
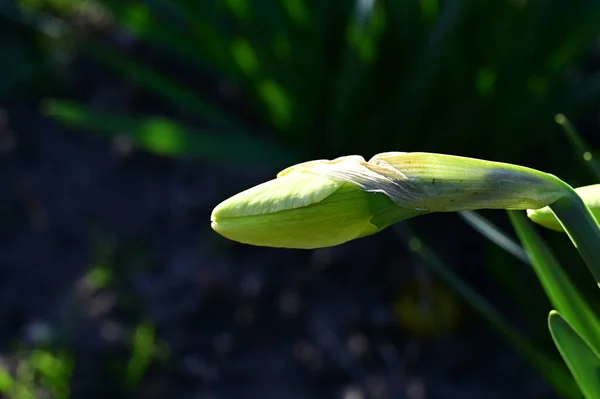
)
(303, 209)
(324, 203)
(545, 217)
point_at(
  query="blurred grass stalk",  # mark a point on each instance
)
(583, 360)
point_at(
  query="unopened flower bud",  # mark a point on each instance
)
(324, 203)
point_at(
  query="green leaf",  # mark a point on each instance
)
(581, 359)
(560, 290)
(581, 227)
(166, 137)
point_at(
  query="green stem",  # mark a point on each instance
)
(582, 228)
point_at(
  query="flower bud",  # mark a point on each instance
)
(324, 203)
(545, 217)
(303, 209)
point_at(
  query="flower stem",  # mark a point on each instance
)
(582, 228)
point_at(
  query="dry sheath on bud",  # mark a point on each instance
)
(324, 203)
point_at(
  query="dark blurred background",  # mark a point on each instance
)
(124, 122)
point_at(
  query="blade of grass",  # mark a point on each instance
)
(581, 359)
(554, 372)
(578, 144)
(560, 290)
(165, 137)
(494, 234)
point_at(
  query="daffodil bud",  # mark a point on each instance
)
(324, 203)
(302, 208)
(545, 217)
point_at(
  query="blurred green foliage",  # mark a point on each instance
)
(335, 77)
(143, 350)
(37, 373)
(42, 372)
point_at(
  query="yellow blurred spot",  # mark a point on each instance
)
(427, 309)
(587, 156)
